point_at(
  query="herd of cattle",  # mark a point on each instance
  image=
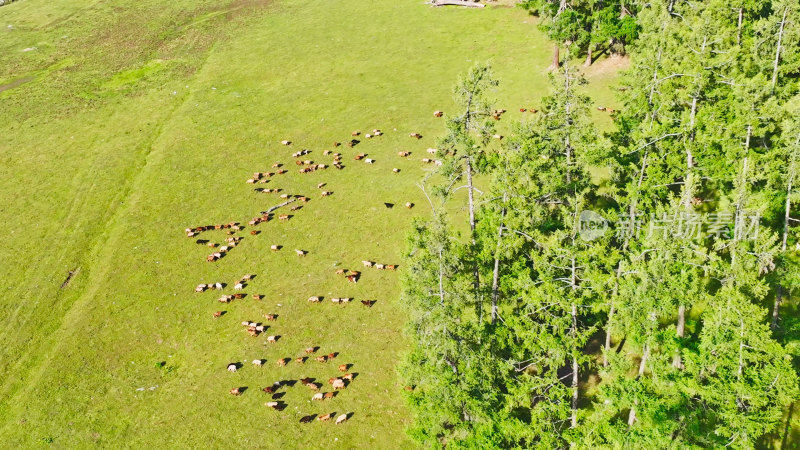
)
(255, 328)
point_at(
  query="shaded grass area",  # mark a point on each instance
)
(145, 117)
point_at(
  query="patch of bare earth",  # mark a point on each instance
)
(607, 66)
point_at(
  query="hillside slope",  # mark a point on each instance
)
(125, 123)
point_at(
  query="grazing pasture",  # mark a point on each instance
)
(124, 123)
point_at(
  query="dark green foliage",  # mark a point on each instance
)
(672, 337)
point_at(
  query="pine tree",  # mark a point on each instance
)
(467, 136)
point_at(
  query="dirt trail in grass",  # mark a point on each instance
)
(28, 372)
(71, 297)
(15, 83)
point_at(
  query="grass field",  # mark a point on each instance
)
(125, 122)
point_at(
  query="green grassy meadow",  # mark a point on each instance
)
(126, 122)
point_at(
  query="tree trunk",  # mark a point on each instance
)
(471, 198)
(441, 279)
(556, 59)
(574, 418)
(739, 199)
(655, 78)
(611, 311)
(741, 351)
(688, 181)
(574, 286)
(787, 209)
(476, 274)
(677, 361)
(739, 28)
(632, 414)
(495, 288)
(643, 362)
(778, 51)
(588, 61)
(608, 334)
(496, 272)
(776, 308)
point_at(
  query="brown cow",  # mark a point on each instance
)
(438, 113)
(310, 350)
(282, 362)
(325, 418)
(217, 314)
(343, 368)
(236, 391)
(416, 135)
(322, 359)
(283, 217)
(271, 317)
(348, 377)
(329, 395)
